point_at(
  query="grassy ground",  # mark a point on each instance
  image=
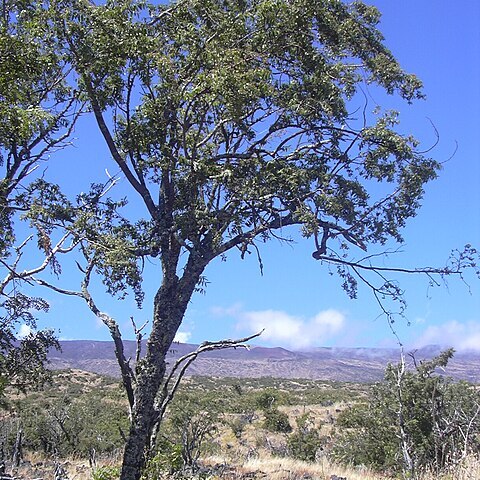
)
(268, 467)
(289, 469)
(240, 448)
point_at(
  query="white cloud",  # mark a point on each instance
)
(283, 329)
(24, 331)
(279, 326)
(232, 311)
(330, 321)
(462, 336)
(182, 337)
(420, 320)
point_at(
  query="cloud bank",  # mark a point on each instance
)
(284, 329)
(461, 336)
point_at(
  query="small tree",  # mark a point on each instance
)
(189, 425)
(267, 398)
(276, 421)
(414, 420)
(305, 441)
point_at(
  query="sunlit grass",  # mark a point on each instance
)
(289, 469)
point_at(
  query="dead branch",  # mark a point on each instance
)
(128, 376)
(139, 338)
(179, 368)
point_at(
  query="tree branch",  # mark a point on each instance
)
(425, 270)
(181, 365)
(128, 377)
(136, 184)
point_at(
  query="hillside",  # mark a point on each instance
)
(337, 364)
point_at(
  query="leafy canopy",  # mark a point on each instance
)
(232, 120)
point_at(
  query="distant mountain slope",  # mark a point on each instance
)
(342, 364)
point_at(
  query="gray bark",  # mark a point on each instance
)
(17, 449)
(170, 305)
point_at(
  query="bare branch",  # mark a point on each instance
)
(128, 376)
(57, 289)
(139, 338)
(182, 364)
(136, 184)
(425, 270)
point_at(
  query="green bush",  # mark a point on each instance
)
(191, 424)
(304, 445)
(271, 397)
(167, 460)
(106, 473)
(266, 399)
(276, 421)
(367, 438)
(305, 441)
(63, 425)
(238, 424)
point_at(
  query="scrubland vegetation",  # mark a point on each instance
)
(414, 424)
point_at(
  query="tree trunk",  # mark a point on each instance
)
(143, 415)
(17, 449)
(170, 305)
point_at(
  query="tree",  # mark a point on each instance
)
(276, 421)
(191, 425)
(38, 110)
(231, 122)
(415, 420)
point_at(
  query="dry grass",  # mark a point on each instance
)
(265, 467)
(36, 465)
(469, 469)
(252, 454)
(289, 469)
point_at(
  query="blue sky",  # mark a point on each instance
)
(298, 303)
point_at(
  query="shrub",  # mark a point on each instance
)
(167, 460)
(304, 443)
(271, 397)
(366, 439)
(238, 423)
(266, 399)
(276, 421)
(415, 420)
(106, 473)
(190, 424)
(63, 425)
